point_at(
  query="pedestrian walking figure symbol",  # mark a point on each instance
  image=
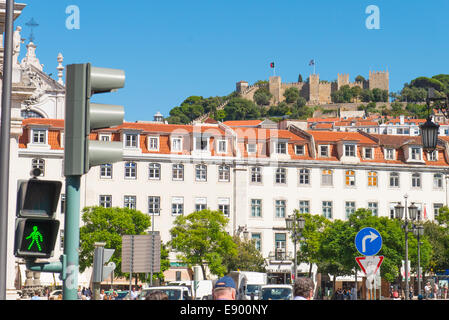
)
(36, 236)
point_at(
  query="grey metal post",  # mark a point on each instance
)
(72, 237)
(152, 250)
(406, 250)
(5, 143)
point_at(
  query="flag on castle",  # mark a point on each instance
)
(312, 62)
(272, 65)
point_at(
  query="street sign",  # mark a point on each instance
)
(138, 255)
(370, 264)
(368, 241)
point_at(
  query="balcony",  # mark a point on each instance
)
(280, 256)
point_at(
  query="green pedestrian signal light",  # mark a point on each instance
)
(37, 237)
(36, 229)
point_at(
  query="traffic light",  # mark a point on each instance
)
(36, 227)
(82, 116)
(101, 271)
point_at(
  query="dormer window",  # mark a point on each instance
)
(389, 154)
(251, 148)
(201, 143)
(432, 156)
(39, 136)
(349, 150)
(176, 144)
(415, 153)
(131, 140)
(324, 151)
(153, 143)
(222, 146)
(281, 148)
(368, 153)
(299, 150)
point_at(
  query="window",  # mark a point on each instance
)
(222, 146)
(373, 206)
(349, 208)
(201, 172)
(349, 150)
(224, 173)
(299, 150)
(280, 208)
(304, 176)
(394, 179)
(38, 164)
(177, 205)
(176, 144)
(281, 148)
(324, 151)
(350, 178)
(104, 137)
(201, 143)
(106, 171)
(372, 179)
(432, 156)
(106, 201)
(326, 177)
(389, 154)
(200, 204)
(415, 153)
(281, 175)
(392, 205)
(256, 174)
(280, 246)
(131, 140)
(251, 148)
(304, 206)
(154, 205)
(437, 181)
(368, 153)
(178, 172)
(257, 238)
(153, 143)
(154, 171)
(436, 209)
(130, 170)
(39, 136)
(224, 206)
(416, 180)
(256, 207)
(130, 202)
(327, 209)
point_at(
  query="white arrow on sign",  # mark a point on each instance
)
(372, 236)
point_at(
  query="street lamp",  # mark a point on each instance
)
(429, 130)
(296, 224)
(418, 231)
(401, 211)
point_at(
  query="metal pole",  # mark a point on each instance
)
(152, 250)
(419, 263)
(5, 144)
(295, 236)
(406, 251)
(72, 237)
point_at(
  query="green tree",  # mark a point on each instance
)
(109, 225)
(248, 257)
(201, 239)
(262, 96)
(291, 95)
(241, 109)
(356, 91)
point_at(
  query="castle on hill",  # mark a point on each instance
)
(315, 92)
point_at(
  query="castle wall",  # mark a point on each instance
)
(379, 79)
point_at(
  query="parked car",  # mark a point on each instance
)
(276, 292)
(173, 292)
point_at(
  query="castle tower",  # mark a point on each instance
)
(379, 79)
(275, 88)
(241, 86)
(342, 80)
(314, 88)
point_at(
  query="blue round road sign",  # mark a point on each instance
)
(368, 241)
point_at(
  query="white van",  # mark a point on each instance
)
(276, 292)
(173, 292)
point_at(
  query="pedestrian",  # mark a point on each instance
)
(303, 289)
(102, 294)
(410, 295)
(445, 291)
(224, 289)
(133, 295)
(36, 295)
(427, 289)
(156, 295)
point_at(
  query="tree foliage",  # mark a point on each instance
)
(248, 257)
(201, 239)
(109, 225)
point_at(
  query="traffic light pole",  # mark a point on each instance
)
(5, 144)
(72, 237)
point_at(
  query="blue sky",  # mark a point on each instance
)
(174, 49)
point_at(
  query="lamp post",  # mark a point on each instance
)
(401, 211)
(429, 130)
(296, 224)
(418, 231)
